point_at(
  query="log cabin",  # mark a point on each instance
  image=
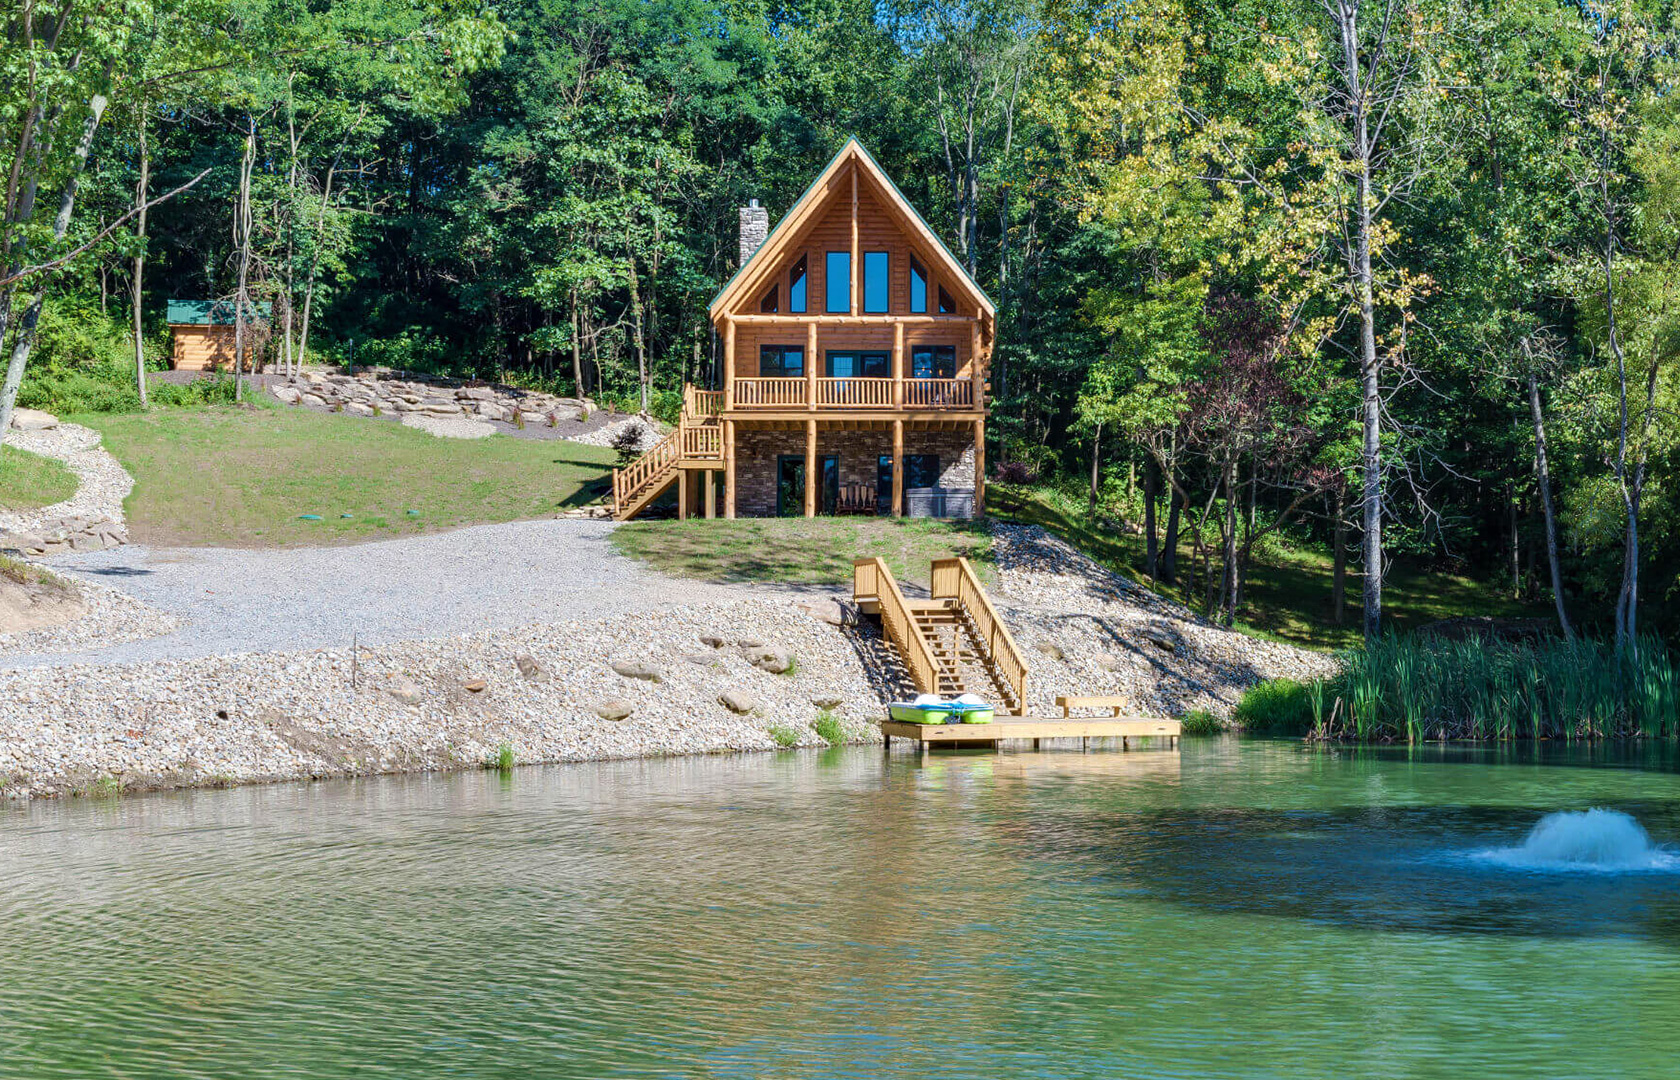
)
(855, 351)
(203, 333)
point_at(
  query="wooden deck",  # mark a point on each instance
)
(1123, 728)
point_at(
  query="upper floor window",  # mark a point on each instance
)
(877, 282)
(918, 287)
(781, 362)
(947, 306)
(796, 287)
(839, 283)
(770, 304)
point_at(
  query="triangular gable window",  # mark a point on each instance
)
(947, 306)
(772, 301)
(796, 287)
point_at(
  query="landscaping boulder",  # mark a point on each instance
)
(713, 640)
(529, 668)
(404, 689)
(288, 394)
(1159, 637)
(359, 409)
(1051, 650)
(705, 660)
(832, 610)
(1108, 661)
(738, 701)
(33, 420)
(632, 669)
(314, 399)
(775, 661)
(475, 686)
(750, 643)
(828, 701)
(616, 709)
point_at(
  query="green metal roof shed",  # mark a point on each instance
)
(211, 312)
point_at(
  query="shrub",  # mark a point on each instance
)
(1015, 472)
(503, 760)
(784, 736)
(1200, 722)
(1274, 707)
(829, 727)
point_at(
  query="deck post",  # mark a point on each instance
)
(728, 364)
(898, 468)
(711, 493)
(729, 470)
(683, 478)
(898, 366)
(810, 468)
(979, 467)
(811, 367)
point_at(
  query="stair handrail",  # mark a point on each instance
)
(955, 579)
(871, 577)
(628, 479)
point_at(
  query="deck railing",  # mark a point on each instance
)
(854, 393)
(871, 578)
(628, 480)
(772, 393)
(954, 579)
(701, 440)
(701, 403)
(938, 393)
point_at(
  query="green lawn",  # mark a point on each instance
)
(28, 481)
(800, 551)
(1288, 595)
(244, 476)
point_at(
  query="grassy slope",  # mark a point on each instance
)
(241, 477)
(28, 481)
(818, 551)
(1288, 594)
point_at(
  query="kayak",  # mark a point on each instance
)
(928, 709)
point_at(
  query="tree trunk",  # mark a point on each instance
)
(24, 343)
(1228, 582)
(302, 352)
(1169, 546)
(1338, 587)
(577, 349)
(140, 259)
(242, 241)
(636, 325)
(1151, 494)
(1096, 470)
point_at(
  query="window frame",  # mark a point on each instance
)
(845, 260)
(799, 279)
(781, 351)
(918, 276)
(867, 280)
(936, 353)
(884, 358)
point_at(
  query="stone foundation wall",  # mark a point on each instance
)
(756, 454)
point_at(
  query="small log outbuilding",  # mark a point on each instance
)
(204, 334)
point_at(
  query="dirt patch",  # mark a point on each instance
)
(32, 598)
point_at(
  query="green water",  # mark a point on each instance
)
(1240, 910)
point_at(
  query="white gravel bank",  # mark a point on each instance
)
(102, 485)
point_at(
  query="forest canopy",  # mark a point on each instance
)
(1398, 278)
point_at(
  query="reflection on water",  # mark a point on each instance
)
(1238, 910)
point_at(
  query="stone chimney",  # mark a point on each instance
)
(755, 226)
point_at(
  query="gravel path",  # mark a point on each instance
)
(472, 579)
(102, 483)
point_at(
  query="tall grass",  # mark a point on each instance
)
(1419, 688)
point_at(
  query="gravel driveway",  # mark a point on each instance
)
(479, 578)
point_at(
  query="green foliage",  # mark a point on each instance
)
(111, 389)
(1274, 707)
(784, 735)
(1200, 722)
(503, 759)
(1421, 687)
(829, 727)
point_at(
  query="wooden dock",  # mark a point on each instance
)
(1123, 728)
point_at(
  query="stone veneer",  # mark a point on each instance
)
(756, 453)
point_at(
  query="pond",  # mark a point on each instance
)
(1241, 909)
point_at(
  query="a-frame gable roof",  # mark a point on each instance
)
(753, 274)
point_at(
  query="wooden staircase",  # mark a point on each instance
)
(953, 643)
(696, 442)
